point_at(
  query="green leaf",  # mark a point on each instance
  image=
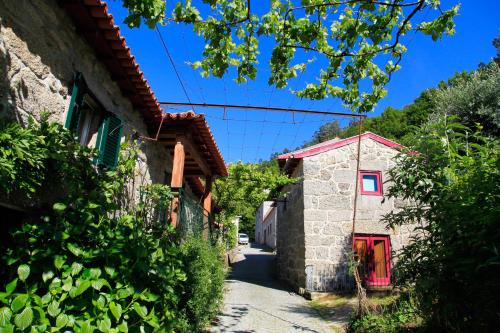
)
(7, 329)
(142, 311)
(124, 293)
(67, 283)
(104, 325)
(110, 271)
(11, 286)
(74, 249)
(23, 272)
(82, 285)
(76, 268)
(5, 315)
(116, 310)
(59, 207)
(123, 327)
(61, 320)
(47, 276)
(95, 273)
(86, 327)
(53, 309)
(19, 302)
(59, 262)
(23, 320)
(46, 298)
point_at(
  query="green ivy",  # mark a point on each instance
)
(92, 261)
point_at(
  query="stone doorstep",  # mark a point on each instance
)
(313, 295)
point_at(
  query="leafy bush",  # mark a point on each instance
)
(453, 262)
(89, 262)
(205, 281)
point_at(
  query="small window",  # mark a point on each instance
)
(92, 125)
(371, 183)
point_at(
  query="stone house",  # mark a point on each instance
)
(266, 224)
(315, 226)
(68, 58)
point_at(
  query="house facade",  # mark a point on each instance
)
(317, 222)
(266, 224)
(69, 59)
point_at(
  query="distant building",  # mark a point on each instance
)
(315, 226)
(266, 224)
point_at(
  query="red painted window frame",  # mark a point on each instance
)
(371, 279)
(378, 176)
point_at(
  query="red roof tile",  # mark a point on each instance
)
(92, 19)
(96, 24)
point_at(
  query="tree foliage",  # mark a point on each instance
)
(453, 260)
(474, 97)
(246, 187)
(358, 43)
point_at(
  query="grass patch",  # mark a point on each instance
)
(335, 309)
(389, 314)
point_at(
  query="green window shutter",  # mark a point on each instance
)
(108, 141)
(73, 119)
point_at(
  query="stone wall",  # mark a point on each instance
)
(329, 185)
(290, 244)
(39, 53)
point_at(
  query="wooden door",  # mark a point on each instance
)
(373, 253)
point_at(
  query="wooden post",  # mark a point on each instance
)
(178, 167)
(177, 177)
(207, 206)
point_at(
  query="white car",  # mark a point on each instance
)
(243, 239)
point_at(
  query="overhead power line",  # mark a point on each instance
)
(172, 62)
(263, 108)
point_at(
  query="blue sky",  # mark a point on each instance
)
(253, 135)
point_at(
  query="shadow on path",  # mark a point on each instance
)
(256, 302)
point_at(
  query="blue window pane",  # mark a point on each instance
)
(370, 183)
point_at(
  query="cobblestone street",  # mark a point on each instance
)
(255, 302)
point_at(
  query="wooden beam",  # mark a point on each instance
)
(178, 164)
(207, 206)
(197, 157)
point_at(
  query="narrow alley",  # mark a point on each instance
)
(256, 302)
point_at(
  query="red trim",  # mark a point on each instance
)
(371, 279)
(378, 176)
(336, 143)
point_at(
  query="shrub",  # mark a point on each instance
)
(203, 289)
(88, 262)
(453, 259)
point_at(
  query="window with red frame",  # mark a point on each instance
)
(371, 182)
(374, 257)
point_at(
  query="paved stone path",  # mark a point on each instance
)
(255, 302)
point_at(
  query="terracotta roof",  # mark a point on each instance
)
(293, 157)
(203, 137)
(96, 24)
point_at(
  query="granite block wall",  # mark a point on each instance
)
(39, 52)
(315, 229)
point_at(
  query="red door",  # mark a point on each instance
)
(375, 259)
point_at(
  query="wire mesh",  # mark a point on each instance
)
(191, 218)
